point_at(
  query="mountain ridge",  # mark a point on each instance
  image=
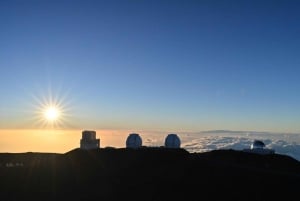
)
(148, 174)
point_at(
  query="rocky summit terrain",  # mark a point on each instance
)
(148, 174)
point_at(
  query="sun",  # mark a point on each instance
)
(52, 113)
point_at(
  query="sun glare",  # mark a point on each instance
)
(52, 113)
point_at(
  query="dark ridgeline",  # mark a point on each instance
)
(148, 174)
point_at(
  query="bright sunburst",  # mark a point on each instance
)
(52, 113)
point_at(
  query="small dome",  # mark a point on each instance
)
(257, 144)
(172, 141)
(133, 141)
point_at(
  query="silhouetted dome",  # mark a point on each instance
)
(257, 144)
(172, 141)
(258, 147)
(134, 141)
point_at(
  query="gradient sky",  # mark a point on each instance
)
(152, 65)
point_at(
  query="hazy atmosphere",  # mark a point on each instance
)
(152, 67)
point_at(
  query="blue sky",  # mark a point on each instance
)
(152, 65)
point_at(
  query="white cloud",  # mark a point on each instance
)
(287, 144)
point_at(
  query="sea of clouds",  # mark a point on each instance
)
(63, 141)
(286, 144)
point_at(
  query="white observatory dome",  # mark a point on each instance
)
(133, 141)
(257, 144)
(258, 147)
(172, 141)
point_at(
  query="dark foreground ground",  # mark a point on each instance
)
(148, 174)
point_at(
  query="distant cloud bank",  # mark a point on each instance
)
(287, 144)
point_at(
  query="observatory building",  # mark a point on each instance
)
(89, 140)
(134, 141)
(258, 147)
(257, 144)
(172, 141)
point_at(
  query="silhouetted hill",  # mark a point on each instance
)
(148, 174)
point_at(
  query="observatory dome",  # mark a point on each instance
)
(258, 147)
(133, 141)
(172, 141)
(257, 144)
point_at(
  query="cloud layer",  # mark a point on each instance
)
(286, 144)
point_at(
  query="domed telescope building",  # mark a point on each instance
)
(172, 141)
(258, 147)
(257, 144)
(134, 141)
(89, 140)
